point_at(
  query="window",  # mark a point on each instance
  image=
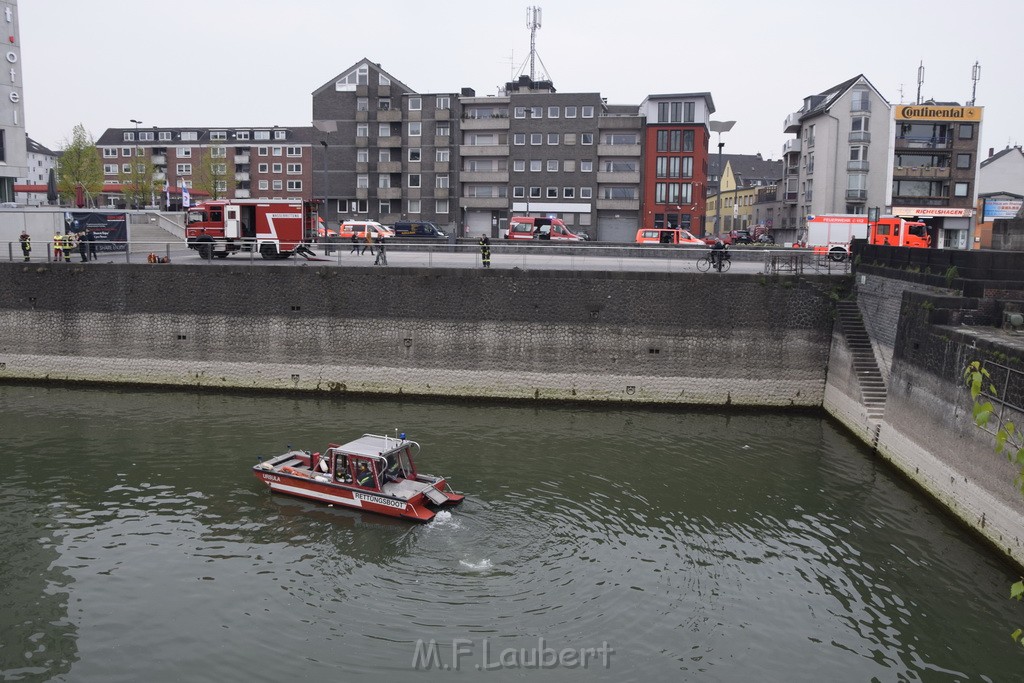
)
(280, 134)
(384, 155)
(109, 169)
(534, 193)
(552, 165)
(264, 185)
(963, 160)
(362, 156)
(442, 155)
(384, 181)
(660, 193)
(536, 138)
(586, 138)
(519, 165)
(262, 151)
(219, 169)
(443, 102)
(518, 192)
(661, 143)
(362, 182)
(263, 168)
(663, 112)
(109, 153)
(362, 130)
(674, 137)
(587, 112)
(569, 165)
(661, 167)
(362, 104)
(441, 181)
(414, 180)
(381, 80)
(190, 136)
(277, 185)
(294, 169)
(415, 103)
(536, 165)
(129, 136)
(277, 168)
(687, 140)
(553, 112)
(294, 185)
(441, 206)
(218, 152)
(214, 135)
(384, 207)
(586, 166)
(552, 193)
(552, 138)
(294, 151)
(384, 104)
(126, 151)
(858, 153)
(415, 129)
(257, 135)
(688, 112)
(586, 192)
(568, 193)
(165, 136)
(414, 154)
(687, 169)
(414, 206)
(519, 112)
(960, 189)
(536, 112)
(443, 130)
(384, 130)
(183, 169)
(966, 132)
(146, 136)
(519, 139)
(570, 112)
(857, 124)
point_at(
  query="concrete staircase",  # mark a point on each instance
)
(150, 232)
(865, 366)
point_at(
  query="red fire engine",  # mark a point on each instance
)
(273, 228)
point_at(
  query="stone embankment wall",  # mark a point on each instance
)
(633, 337)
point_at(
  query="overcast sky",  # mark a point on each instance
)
(255, 63)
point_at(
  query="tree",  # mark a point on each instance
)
(1009, 440)
(79, 166)
(212, 173)
(139, 184)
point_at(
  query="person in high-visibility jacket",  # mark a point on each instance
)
(69, 246)
(58, 247)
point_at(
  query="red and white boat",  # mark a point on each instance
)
(375, 473)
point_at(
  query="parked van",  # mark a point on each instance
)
(359, 228)
(666, 236)
(417, 229)
(529, 228)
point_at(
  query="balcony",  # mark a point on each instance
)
(618, 204)
(441, 193)
(860, 105)
(793, 170)
(241, 194)
(362, 167)
(484, 202)
(389, 115)
(791, 146)
(159, 159)
(483, 176)
(618, 150)
(242, 176)
(389, 167)
(790, 197)
(159, 176)
(389, 193)
(922, 143)
(619, 177)
(920, 172)
(442, 166)
(485, 124)
(362, 193)
(856, 195)
(442, 141)
(792, 123)
(389, 141)
(483, 150)
(442, 114)
(860, 165)
(242, 158)
(860, 136)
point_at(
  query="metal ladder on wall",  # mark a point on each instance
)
(865, 366)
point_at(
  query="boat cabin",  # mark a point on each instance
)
(369, 462)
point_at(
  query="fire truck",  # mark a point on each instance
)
(831, 234)
(273, 228)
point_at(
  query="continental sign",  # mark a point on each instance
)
(924, 112)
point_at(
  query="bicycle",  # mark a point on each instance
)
(722, 265)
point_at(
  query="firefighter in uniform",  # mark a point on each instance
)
(58, 247)
(485, 250)
(69, 246)
(26, 244)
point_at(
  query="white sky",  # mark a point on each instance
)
(231, 63)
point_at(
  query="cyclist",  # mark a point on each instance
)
(719, 251)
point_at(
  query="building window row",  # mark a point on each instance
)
(553, 112)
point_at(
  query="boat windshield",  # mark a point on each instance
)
(398, 463)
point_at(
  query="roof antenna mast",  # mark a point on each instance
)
(533, 16)
(975, 76)
(920, 81)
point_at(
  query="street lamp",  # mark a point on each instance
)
(719, 127)
(135, 167)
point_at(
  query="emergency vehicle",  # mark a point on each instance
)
(273, 228)
(831, 234)
(540, 228)
(667, 236)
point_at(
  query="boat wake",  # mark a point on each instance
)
(445, 518)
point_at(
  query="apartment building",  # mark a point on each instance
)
(839, 160)
(934, 176)
(31, 188)
(265, 163)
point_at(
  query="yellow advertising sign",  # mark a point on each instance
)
(928, 112)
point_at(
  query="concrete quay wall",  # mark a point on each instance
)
(632, 337)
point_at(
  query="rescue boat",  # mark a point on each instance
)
(373, 473)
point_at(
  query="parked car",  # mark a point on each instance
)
(666, 236)
(534, 228)
(741, 237)
(711, 239)
(359, 229)
(418, 229)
